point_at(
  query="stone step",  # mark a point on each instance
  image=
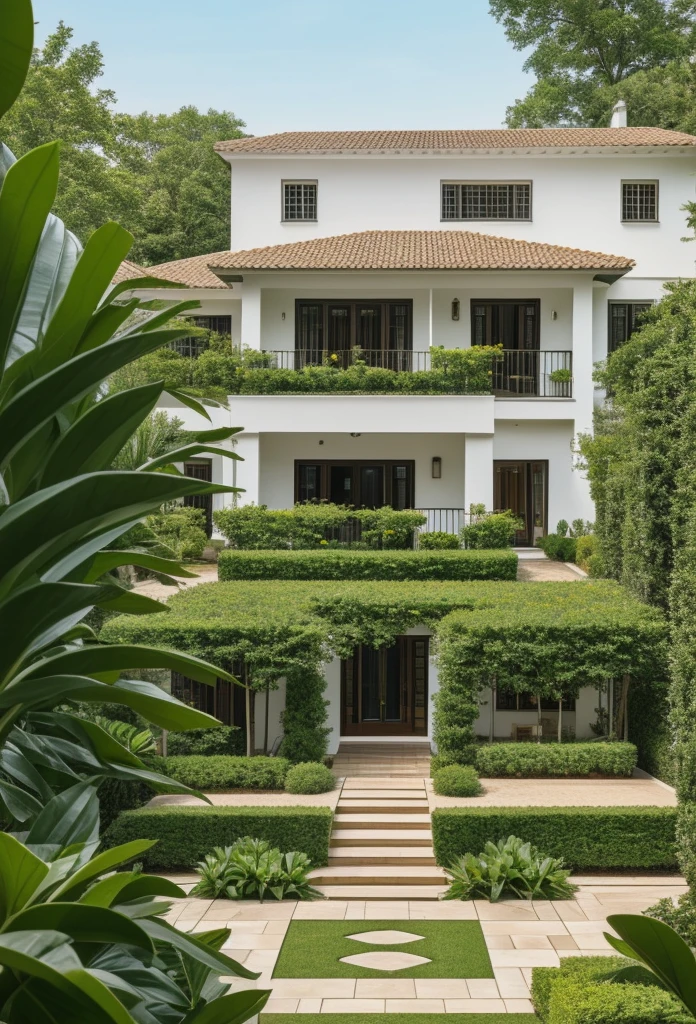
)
(381, 820)
(381, 837)
(377, 875)
(383, 794)
(382, 806)
(397, 857)
(382, 892)
(379, 782)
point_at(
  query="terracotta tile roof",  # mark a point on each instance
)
(414, 250)
(438, 141)
(127, 271)
(192, 272)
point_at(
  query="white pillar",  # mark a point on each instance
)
(583, 387)
(248, 471)
(251, 315)
(236, 314)
(478, 470)
(430, 319)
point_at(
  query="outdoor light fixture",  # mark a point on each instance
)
(455, 309)
(282, 316)
(554, 314)
(356, 435)
(437, 467)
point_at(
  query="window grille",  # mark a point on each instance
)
(639, 200)
(486, 201)
(299, 200)
(193, 346)
(624, 319)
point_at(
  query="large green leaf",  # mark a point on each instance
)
(188, 451)
(108, 860)
(19, 769)
(234, 1008)
(138, 284)
(94, 661)
(82, 923)
(20, 875)
(105, 561)
(16, 43)
(70, 817)
(22, 806)
(190, 945)
(26, 198)
(127, 602)
(123, 886)
(661, 950)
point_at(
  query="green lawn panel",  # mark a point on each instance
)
(313, 949)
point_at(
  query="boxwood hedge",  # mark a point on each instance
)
(337, 564)
(530, 760)
(588, 971)
(185, 834)
(220, 772)
(586, 837)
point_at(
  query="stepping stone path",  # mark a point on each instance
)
(381, 843)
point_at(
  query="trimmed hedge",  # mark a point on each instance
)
(223, 739)
(585, 837)
(336, 564)
(587, 970)
(456, 780)
(614, 1004)
(540, 760)
(309, 777)
(220, 772)
(185, 834)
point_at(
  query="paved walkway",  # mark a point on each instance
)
(635, 792)
(519, 936)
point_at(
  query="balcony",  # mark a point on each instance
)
(515, 373)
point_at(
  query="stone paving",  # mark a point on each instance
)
(519, 936)
(634, 792)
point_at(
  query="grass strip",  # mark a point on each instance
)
(313, 949)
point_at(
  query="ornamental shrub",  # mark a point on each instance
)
(466, 756)
(438, 540)
(585, 837)
(252, 868)
(218, 772)
(309, 777)
(496, 530)
(222, 739)
(456, 780)
(185, 834)
(614, 1004)
(509, 868)
(304, 715)
(560, 549)
(585, 548)
(332, 564)
(181, 528)
(586, 971)
(539, 760)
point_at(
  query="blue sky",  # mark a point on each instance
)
(285, 64)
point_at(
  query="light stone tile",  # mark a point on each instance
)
(385, 988)
(511, 983)
(257, 959)
(329, 910)
(545, 910)
(187, 924)
(204, 926)
(387, 911)
(563, 942)
(519, 1006)
(266, 911)
(355, 911)
(526, 974)
(276, 927)
(248, 927)
(523, 928)
(241, 956)
(531, 942)
(499, 942)
(523, 957)
(251, 940)
(587, 928)
(221, 910)
(281, 1005)
(474, 1006)
(415, 1006)
(309, 1006)
(441, 988)
(482, 988)
(569, 910)
(243, 984)
(352, 1006)
(314, 988)
(443, 911)
(521, 911)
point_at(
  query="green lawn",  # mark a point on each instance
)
(313, 949)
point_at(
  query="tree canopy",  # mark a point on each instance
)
(156, 174)
(587, 54)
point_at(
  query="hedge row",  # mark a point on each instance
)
(585, 837)
(530, 760)
(185, 834)
(336, 564)
(220, 772)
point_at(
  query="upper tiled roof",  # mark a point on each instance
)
(127, 271)
(192, 272)
(441, 141)
(413, 250)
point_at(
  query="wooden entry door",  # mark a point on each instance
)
(384, 692)
(522, 487)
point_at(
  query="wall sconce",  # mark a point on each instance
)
(554, 314)
(282, 316)
(455, 309)
(437, 467)
(356, 435)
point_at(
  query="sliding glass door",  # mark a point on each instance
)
(363, 484)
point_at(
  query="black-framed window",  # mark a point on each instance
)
(339, 325)
(507, 700)
(512, 323)
(639, 201)
(224, 700)
(624, 319)
(299, 200)
(480, 200)
(194, 345)
(361, 483)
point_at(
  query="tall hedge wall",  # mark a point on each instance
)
(332, 564)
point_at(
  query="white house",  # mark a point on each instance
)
(548, 242)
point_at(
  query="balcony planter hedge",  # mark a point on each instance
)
(185, 834)
(367, 565)
(587, 838)
(544, 760)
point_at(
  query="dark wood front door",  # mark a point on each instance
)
(385, 692)
(522, 487)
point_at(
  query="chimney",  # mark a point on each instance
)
(619, 117)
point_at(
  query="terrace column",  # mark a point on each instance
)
(251, 315)
(248, 473)
(478, 470)
(583, 387)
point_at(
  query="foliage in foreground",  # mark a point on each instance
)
(511, 868)
(680, 915)
(253, 869)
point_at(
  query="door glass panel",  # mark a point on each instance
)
(309, 335)
(400, 496)
(369, 327)
(511, 493)
(309, 483)
(399, 335)
(538, 499)
(392, 685)
(339, 328)
(370, 684)
(341, 485)
(372, 486)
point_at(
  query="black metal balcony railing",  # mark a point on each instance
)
(516, 373)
